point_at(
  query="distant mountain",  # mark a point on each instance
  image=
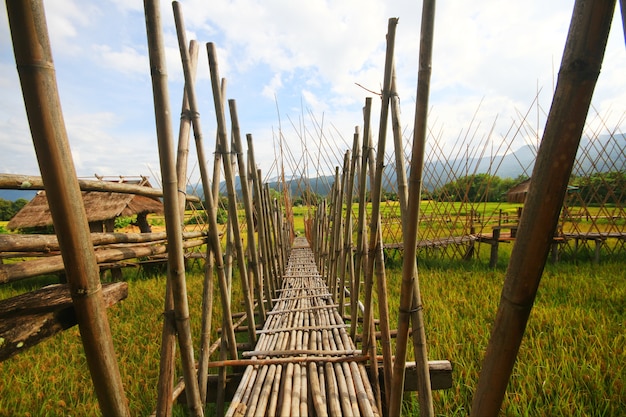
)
(604, 153)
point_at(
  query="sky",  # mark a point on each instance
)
(300, 71)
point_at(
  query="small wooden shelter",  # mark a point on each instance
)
(517, 194)
(102, 209)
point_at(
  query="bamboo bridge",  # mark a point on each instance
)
(308, 364)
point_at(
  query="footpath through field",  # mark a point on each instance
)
(307, 363)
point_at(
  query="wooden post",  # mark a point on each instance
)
(582, 59)
(33, 57)
(176, 260)
(495, 243)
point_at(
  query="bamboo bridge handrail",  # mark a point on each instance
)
(30, 182)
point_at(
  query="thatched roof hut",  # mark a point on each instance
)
(101, 207)
(518, 193)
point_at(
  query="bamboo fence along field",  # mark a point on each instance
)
(572, 360)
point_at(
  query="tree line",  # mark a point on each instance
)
(8, 209)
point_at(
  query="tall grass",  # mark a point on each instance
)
(572, 360)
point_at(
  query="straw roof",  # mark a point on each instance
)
(99, 206)
(518, 193)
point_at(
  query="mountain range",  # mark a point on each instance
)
(604, 153)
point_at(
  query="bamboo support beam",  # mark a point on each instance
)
(53, 264)
(33, 57)
(580, 68)
(411, 309)
(230, 186)
(376, 259)
(255, 268)
(176, 267)
(29, 182)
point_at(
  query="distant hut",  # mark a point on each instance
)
(518, 193)
(102, 209)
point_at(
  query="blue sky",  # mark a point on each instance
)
(301, 59)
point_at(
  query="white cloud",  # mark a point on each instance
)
(300, 54)
(127, 61)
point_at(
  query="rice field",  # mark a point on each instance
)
(572, 360)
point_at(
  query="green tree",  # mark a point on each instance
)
(8, 209)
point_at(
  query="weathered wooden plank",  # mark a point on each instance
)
(30, 318)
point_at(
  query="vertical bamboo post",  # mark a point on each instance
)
(266, 283)
(580, 67)
(209, 201)
(341, 258)
(230, 185)
(168, 334)
(336, 244)
(247, 201)
(267, 240)
(361, 238)
(176, 261)
(348, 240)
(33, 57)
(410, 298)
(278, 236)
(375, 238)
(369, 331)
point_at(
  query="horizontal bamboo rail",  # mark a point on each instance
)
(53, 264)
(47, 243)
(29, 182)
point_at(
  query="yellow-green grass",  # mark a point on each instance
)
(572, 360)
(52, 378)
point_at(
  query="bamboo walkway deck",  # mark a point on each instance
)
(308, 365)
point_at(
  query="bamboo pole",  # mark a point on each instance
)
(343, 255)
(348, 236)
(230, 185)
(30, 182)
(255, 269)
(267, 282)
(580, 67)
(50, 243)
(176, 261)
(375, 238)
(410, 297)
(369, 334)
(168, 334)
(33, 57)
(16, 271)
